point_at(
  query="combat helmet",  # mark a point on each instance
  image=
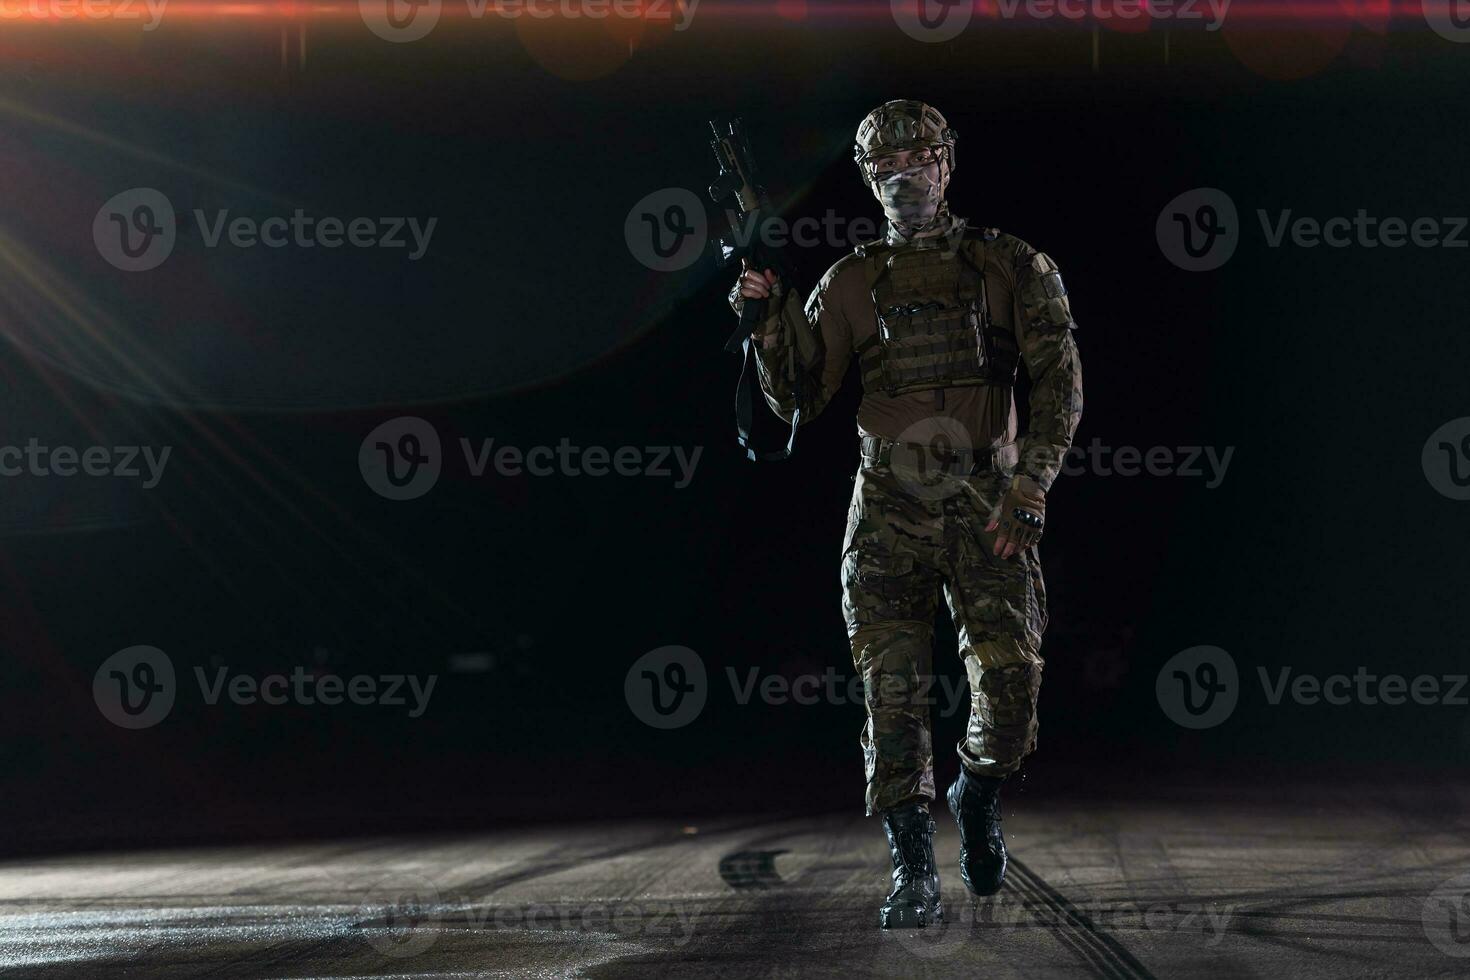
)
(903, 124)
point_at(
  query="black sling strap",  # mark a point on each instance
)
(747, 389)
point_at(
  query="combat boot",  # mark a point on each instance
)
(914, 901)
(975, 803)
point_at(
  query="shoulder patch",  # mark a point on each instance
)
(1043, 295)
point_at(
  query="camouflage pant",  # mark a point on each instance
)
(908, 533)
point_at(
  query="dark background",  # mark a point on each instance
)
(530, 321)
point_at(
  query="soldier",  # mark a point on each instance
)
(939, 316)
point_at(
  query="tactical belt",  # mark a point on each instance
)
(958, 462)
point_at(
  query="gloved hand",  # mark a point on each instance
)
(1019, 516)
(758, 285)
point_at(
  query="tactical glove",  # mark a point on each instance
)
(1019, 517)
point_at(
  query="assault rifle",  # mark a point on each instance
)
(751, 217)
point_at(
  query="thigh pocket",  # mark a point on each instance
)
(878, 587)
(993, 597)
